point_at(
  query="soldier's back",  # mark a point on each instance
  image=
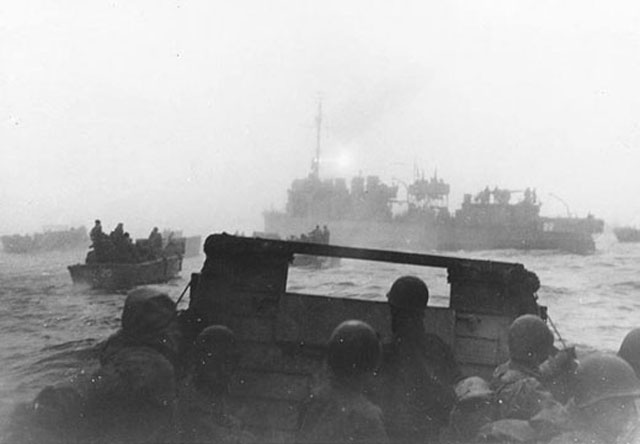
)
(341, 415)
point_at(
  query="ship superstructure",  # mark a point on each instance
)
(366, 212)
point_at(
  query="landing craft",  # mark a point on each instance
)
(243, 285)
(116, 263)
(627, 234)
(53, 238)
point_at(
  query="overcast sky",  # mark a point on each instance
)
(199, 114)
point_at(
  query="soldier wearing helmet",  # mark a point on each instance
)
(475, 406)
(131, 398)
(418, 371)
(149, 319)
(630, 350)
(339, 412)
(56, 415)
(520, 384)
(603, 409)
(201, 413)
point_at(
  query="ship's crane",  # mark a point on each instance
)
(432, 193)
(562, 201)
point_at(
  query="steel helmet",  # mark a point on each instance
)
(216, 337)
(473, 387)
(603, 376)
(630, 349)
(529, 339)
(218, 341)
(353, 349)
(409, 292)
(146, 311)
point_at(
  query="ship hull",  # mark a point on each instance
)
(422, 236)
(373, 234)
(111, 276)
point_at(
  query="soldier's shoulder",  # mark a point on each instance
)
(576, 437)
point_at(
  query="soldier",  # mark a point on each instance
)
(130, 254)
(118, 232)
(339, 412)
(326, 235)
(202, 413)
(56, 416)
(603, 408)
(418, 371)
(131, 399)
(630, 350)
(103, 248)
(519, 383)
(475, 406)
(316, 235)
(155, 241)
(96, 233)
(149, 319)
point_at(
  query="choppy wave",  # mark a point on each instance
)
(50, 328)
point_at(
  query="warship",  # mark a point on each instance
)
(368, 214)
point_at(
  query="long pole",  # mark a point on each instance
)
(316, 163)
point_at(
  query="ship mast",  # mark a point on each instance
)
(315, 165)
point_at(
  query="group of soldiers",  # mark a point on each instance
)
(413, 391)
(502, 196)
(118, 247)
(316, 236)
(153, 384)
(159, 381)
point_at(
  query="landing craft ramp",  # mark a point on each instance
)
(243, 285)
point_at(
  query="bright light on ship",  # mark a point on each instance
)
(344, 160)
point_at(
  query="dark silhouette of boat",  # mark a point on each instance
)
(627, 234)
(315, 236)
(116, 263)
(282, 334)
(51, 239)
(121, 276)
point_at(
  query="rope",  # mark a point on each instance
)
(183, 292)
(553, 326)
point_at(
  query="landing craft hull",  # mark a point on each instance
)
(282, 335)
(48, 241)
(124, 276)
(627, 234)
(430, 235)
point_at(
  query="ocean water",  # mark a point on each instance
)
(48, 326)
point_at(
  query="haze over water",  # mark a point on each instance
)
(197, 115)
